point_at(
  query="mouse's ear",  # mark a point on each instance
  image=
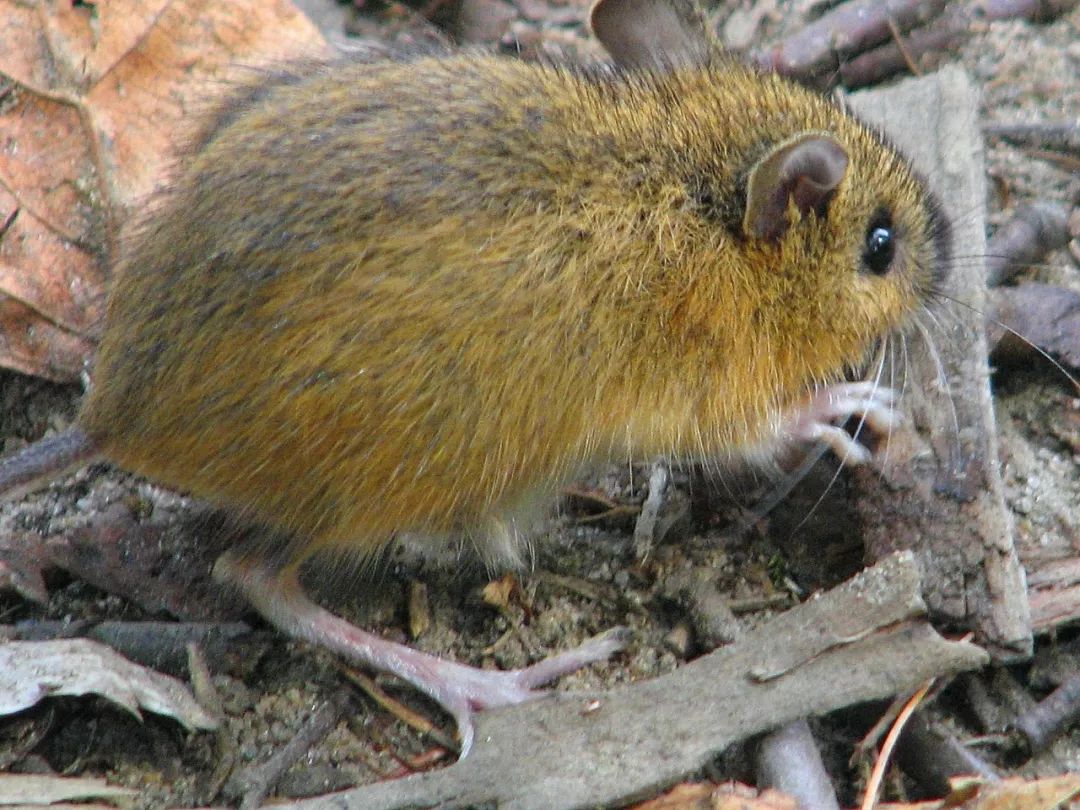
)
(804, 171)
(651, 33)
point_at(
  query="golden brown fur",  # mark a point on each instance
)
(446, 285)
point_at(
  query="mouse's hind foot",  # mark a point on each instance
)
(460, 689)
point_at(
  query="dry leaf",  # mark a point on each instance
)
(687, 796)
(33, 670)
(419, 610)
(94, 99)
(39, 790)
(499, 592)
(1020, 794)
(728, 798)
(710, 796)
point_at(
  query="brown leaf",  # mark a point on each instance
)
(499, 593)
(710, 796)
(94, 99)
(1019, 794)
(687, 796)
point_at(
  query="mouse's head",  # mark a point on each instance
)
(808, 234)
(844, 237)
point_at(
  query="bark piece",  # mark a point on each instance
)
(1055, 593)
(939, 491)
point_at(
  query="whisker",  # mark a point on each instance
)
(820, 450)
(816, 455)
(1041, 351)
(942, 375)
(891, 346)
(905, 366)
(790, 481)
(880, 361)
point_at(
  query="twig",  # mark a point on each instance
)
(932, 756)
(645, 530)
(789, 760)
(895, 57)
(848, 29)
(1043, 319)
(225, 751)
(1062, 161)
(1042, 724)
(898, 38)
(9, 220)
(1060, 135)
(414, 720)
(850, 43)
(202, 683)
(873, 787)
(592, 591)
(591, 496)
(256, 781)
(1034, 10)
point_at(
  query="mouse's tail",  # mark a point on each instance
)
(44, 460)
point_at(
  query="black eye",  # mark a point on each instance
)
(880, 246)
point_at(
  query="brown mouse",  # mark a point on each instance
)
(419, 295)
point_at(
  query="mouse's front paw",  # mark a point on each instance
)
(870, 403)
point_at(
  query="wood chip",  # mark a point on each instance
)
(31, 671)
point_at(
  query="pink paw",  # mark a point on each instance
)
(869, 402)
(463, 690)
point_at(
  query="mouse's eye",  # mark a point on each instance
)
(880, 245)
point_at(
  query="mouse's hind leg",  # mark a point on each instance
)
(461, 690)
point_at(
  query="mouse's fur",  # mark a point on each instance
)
(389, 297)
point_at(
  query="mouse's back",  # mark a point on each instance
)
(415, 296)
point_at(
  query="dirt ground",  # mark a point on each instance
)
(585, 576)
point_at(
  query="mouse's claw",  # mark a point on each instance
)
(869, 402)
(463, 690)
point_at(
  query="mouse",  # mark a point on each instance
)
(419, 294)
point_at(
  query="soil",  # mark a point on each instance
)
(586, 574)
